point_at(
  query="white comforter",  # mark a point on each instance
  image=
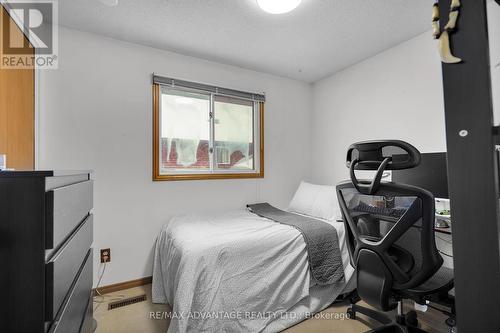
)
(237, 272)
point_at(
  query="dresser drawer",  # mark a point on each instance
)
(70, 317)
(61, 270)
(65, 208)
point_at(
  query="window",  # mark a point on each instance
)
(205, 132)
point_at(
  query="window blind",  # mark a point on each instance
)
(171, 82)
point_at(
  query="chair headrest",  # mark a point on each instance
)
(371, 154)
(380, 156)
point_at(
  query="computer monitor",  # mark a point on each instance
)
(431, 174)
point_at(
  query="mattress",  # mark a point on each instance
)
(238, 272)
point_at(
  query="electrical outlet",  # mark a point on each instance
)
(105, 255)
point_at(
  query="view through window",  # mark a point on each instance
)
(207, 135)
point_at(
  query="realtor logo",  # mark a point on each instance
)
(29, 34)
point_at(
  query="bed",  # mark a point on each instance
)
(238, 272)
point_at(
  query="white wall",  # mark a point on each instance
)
(96, 113)
(397, 94)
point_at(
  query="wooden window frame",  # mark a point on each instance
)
(157, 176)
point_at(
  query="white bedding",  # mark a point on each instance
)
(237, 272)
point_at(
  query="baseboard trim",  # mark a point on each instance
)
(124, 285)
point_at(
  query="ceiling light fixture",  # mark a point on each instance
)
(278, 6)
(109, 3)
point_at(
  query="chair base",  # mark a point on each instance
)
(388, 325)
(396, 328)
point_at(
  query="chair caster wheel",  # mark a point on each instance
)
(351, 314)
(452, 324)
(411, 319)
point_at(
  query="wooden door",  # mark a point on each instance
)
(17, 108)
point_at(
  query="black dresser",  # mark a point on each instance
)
(46, 234)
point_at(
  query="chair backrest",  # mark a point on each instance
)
(390, 226)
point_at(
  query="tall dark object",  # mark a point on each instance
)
(472, 175)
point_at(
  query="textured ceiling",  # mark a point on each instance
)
(317, 39)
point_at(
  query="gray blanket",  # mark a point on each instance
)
(321, 240)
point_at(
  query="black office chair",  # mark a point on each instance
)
(390, 230)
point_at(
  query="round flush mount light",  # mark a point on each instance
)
(278, 6)
(109, 3)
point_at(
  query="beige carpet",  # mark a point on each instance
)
(137, 317)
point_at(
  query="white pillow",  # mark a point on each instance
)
(317, 201)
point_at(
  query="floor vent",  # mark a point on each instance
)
(126, 301)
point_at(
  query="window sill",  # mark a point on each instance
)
(211, 176)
